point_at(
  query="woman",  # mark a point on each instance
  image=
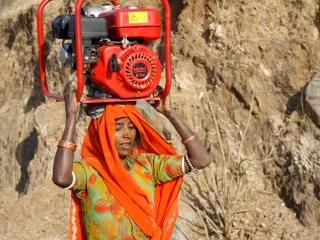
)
(127, 183)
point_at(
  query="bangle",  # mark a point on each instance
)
(192, 168)
(189, 139)
(73, 182)
(67, 144)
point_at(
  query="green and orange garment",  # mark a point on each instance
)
(99, 155)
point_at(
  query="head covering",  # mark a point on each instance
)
(99, 151)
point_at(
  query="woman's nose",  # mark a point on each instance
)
(126, 132)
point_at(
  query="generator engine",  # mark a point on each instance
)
(115, 47)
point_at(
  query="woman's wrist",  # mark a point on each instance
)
(69, 130)
(71, 118)
(168, 113)
(70, 124)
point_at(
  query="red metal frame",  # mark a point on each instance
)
(79, 54)
(167, 46)
(114, 100)
(41, 54)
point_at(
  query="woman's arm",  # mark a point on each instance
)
(62, 165)
(199, 156)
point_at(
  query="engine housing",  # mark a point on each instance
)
(133, 72)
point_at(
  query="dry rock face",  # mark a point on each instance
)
(312, 99)
(239, 71)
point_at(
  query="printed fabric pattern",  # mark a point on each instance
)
(103, 216)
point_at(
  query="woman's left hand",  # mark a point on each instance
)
(162, 105)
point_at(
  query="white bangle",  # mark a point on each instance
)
(183, 165)
(192, 168)
(73, 182)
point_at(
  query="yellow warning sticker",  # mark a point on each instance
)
(138, 17)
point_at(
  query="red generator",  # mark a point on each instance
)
(108, 46)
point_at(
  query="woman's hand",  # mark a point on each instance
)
(198, 154)
(71, 104)
(62, 164)
(70, 100)
(163, 105)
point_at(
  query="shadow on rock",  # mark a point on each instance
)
(36, 98)
(296, 102)
(24, 154)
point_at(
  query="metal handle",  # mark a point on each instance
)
(167, 49)
(79, 54)
(41, 54)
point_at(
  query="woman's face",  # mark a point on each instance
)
(125, 136)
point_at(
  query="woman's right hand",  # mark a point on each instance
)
(71, 104)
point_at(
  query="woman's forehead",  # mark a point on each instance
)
(123, 120)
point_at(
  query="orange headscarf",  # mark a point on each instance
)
(99, 151)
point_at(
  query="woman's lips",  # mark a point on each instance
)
(126, 145)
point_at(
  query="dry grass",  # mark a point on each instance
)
(214, 193)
